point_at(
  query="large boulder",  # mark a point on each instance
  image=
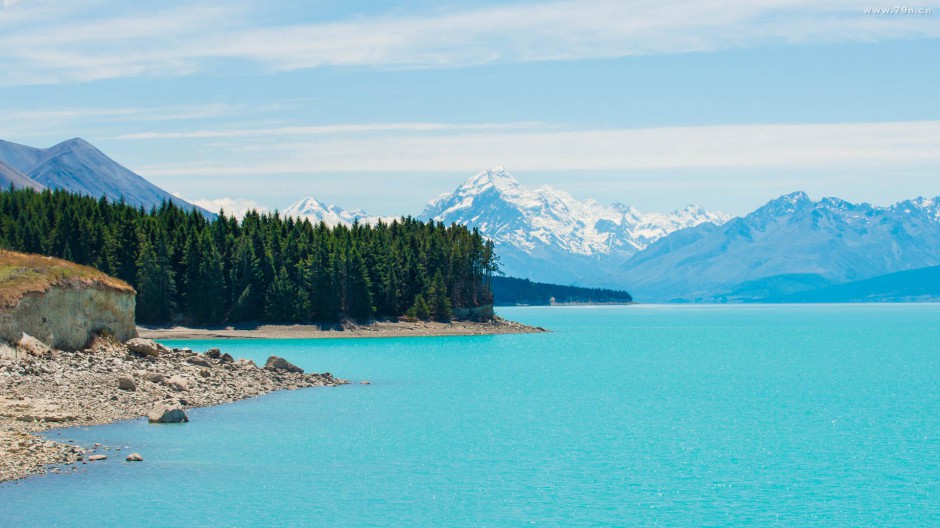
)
(33, 346)
(279, 363)
(144, 347)
(126, 384)
(198, 361)
(167, 413)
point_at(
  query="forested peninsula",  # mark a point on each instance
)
(264, 268)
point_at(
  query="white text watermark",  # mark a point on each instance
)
(898, 10)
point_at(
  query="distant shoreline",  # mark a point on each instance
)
(376, 329)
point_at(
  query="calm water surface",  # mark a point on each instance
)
(672, 415)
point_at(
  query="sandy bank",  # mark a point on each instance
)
(376, 329)
(46, 389)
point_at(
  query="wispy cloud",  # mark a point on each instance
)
(327, 129)
(43, 121)
(895, 145)
(41, 44)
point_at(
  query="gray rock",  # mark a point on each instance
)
(242, 362)
(126, 384)
(178, 383)
(153, 377)
(94, 458)
(226, 358)
(167, 413)
(279, 363)
(144, 347)
(134, 457)
(214, 353)
(198, 361)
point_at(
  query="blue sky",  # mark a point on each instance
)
(382, 105)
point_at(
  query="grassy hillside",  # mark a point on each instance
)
(21, 273)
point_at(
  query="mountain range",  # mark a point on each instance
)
(789, 245)
(77, 166)
(316, 211)
(789, 249)
(543, 234)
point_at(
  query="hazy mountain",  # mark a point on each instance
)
(317, 211)
(918, 285)
(547, 235)
(10, 176)
(790, 244)
(77, 166)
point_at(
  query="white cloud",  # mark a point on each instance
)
(52, 121)
(325, 129)
(42, 46)
(894, 145)
(236, 207)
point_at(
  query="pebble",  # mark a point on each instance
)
(84, 389)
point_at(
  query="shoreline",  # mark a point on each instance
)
(377, 329)
(42, 390)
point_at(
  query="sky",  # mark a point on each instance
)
(383, 105)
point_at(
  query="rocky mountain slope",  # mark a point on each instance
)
(790, 244)
(77, 166)
(10, 176)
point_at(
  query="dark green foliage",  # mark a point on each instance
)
(264, 268)
(420, 309)
(509, 291)
(156, 289)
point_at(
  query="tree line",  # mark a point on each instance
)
(262, 268)
(510, 291)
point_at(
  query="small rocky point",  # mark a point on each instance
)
(42, 388)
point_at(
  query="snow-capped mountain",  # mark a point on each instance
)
(77, 166)
(546, 234)
(790, 244)
(316, 211)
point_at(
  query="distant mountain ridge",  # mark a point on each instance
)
(77, 166)
(917, 285)
(791, 244)
(316, 211)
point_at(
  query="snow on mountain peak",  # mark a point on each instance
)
(316, 211)
(525, 219)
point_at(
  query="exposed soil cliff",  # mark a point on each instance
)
(61, 303)
(66, 317)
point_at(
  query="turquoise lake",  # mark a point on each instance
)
(632, 415)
